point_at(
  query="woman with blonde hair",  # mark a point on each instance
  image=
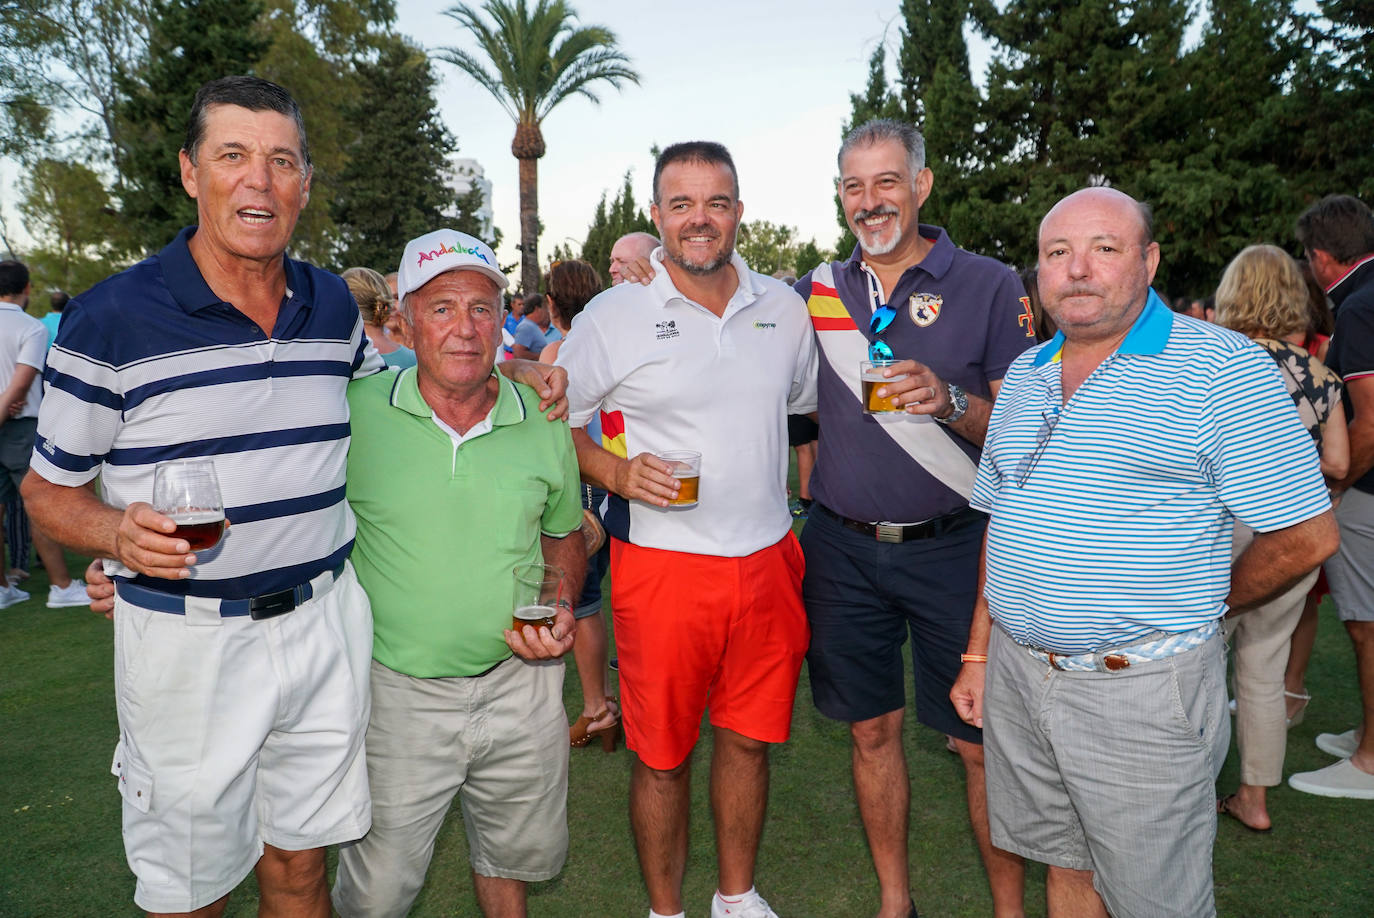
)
(568, 287)
(375, 302)
(1264, 297)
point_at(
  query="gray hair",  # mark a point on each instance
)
(880, 130)
(252, 93)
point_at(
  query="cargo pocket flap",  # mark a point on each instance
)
(135, 781)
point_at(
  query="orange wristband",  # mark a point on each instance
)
(973, 658)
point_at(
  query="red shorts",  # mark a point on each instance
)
(689, 628)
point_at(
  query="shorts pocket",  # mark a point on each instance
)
(135, 780)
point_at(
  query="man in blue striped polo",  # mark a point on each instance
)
(1119, 453)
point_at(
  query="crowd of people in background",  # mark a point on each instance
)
(1070, 496)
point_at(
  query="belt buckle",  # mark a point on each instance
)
(886, 532)
(279, 604)
(1054, 663)
(1115, 662)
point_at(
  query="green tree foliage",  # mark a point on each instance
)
(532, 59)
(808, 256)
(189, 42)
(59, 63)
(612, 220)
(394, 186)
(1228, 137)
(69, 213)
(767, 247)
(1077, 95)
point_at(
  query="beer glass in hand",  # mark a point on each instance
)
(538, 592)
(872, 379)
(187, 490)
(686, 465)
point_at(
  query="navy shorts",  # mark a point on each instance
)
(864, 596)
(589, 603)
(801, 430)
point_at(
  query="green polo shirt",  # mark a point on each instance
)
(441, 527)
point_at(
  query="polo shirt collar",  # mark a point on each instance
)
(1148, 335)
(936, 263)
(188, 286)
(5, 304)
(665, 291)
(1351, 281)
(405, 395)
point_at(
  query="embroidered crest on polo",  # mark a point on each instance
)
(925, 308)
(665, 330)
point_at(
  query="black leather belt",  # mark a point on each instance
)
(268, 605)
(888, 532)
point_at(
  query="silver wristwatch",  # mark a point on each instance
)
(958, 400)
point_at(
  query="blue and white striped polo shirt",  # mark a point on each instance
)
(1112, 514)
(151, 365)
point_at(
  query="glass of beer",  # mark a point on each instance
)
(187, 490)
(538, 590)
(686, 465)
(871, 377)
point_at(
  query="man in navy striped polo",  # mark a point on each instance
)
(241, 726)
(1118, 456)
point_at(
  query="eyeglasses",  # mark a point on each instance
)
(1028, 462)
(882, 318)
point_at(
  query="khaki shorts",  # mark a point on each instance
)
(498, 741)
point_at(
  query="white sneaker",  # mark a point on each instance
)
(69, 596)
(11, 595)
(745, 905)
(1341, 745)
(1340, 780)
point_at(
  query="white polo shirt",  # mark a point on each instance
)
(666, 373)
(23, 339)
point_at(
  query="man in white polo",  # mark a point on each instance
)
(709, 357)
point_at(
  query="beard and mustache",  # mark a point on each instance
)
(860, 231)
(711, 265)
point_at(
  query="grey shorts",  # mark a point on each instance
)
(499, 742)
(16, 449)
(1111, 772)
(1350, 572)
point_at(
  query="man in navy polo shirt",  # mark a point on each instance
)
(891, 544)
(1337, 234)
(241, 726)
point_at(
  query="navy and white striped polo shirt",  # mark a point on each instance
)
(151, 365)
(1112, 514)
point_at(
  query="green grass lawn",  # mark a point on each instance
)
(59, 809)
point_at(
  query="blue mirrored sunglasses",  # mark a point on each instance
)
(882, 318)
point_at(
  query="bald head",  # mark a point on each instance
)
(628, 248)
(1097, 260)
(1102, 196)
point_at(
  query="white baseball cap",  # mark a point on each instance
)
(444, 250)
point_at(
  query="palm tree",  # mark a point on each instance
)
(537, 57)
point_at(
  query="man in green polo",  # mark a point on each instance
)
(460, 703)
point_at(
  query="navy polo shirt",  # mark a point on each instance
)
(150, 365)
(965, 316)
